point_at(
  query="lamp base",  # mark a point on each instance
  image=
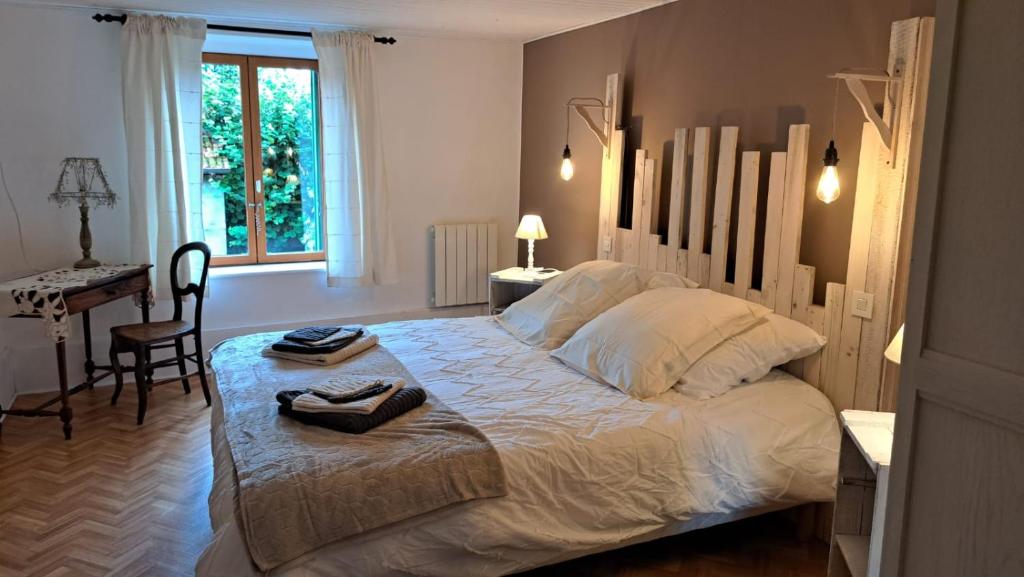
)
(87, 263)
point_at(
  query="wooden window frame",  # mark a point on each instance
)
(253, 156)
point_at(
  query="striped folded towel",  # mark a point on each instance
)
(313, 403)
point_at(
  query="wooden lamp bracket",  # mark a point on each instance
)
(582, 105)
(855, 79)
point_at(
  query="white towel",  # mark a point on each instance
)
(310, 403)
(364, 342)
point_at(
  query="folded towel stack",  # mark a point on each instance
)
(322, 346)
(348, 394)
(401, 402)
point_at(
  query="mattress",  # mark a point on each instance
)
(588, 468)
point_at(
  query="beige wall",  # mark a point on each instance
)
(754, 64)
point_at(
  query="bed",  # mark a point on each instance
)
(588, 468)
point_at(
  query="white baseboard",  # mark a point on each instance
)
(34, 367)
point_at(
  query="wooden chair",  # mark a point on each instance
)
(143, 338)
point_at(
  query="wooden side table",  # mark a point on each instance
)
(80, 300)
(860, 494)
(509, 285)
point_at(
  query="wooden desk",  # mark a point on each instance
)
(80, 300)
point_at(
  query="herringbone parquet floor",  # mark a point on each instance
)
(131, 501)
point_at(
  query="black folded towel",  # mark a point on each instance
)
(286, 346)
(405, 400)
(311, 334)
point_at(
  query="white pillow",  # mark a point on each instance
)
(551, 314)
(644, 345)
(749, 356)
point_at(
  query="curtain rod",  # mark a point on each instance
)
(122, 18)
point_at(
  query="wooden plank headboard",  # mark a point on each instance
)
(786, 286)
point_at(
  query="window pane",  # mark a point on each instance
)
(290, 150)
(224, 216)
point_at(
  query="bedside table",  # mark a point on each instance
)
(509, 285)
(859, 514)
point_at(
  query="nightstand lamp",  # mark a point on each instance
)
(895, 349)
(531, 228)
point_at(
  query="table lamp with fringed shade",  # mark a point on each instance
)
(531, 228)
(82, 181)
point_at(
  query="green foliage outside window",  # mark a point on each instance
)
(289, 153)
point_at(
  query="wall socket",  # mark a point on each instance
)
(863, 304)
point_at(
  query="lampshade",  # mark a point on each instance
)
(895, 349)
(83, 181)
(531, 228)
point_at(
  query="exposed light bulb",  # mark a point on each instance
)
(567, 168)
(828, 184)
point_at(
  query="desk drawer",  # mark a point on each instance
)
(102, 294)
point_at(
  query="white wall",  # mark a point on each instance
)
(452, 123)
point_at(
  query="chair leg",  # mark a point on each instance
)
(201, 358)
(115, 365)
(140, 380)
(179, 351)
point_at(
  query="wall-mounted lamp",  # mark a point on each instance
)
(581, 106)
(828, 184)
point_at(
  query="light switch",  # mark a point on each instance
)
(606, 244)
(863, 304)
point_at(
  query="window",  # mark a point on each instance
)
(262, 199)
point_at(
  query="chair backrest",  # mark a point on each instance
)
(178, 292)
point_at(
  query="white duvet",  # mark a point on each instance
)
(588, 467)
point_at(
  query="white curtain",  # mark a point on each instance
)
(360, 250)
(161, 61)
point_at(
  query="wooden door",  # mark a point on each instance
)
(956, 499)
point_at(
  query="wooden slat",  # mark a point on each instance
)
(698, 200)
(635, 248)
(611, 171)
(725, 177)
(663, 260)
(482, 265)
(844, 371)
(471, 264)
(492, 247)
(812, 364)
(705, 269)
(746, 227)
(611, 187)
(835, 296)
(461, 231)
(792, 216)
(647, 215)
(803, 292)
(451, 268)
(439, 266)
(773, 228)
(677, 201)
(681, 261)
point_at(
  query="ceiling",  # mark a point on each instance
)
(513, 20)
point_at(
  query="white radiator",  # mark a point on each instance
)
(464, 254)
